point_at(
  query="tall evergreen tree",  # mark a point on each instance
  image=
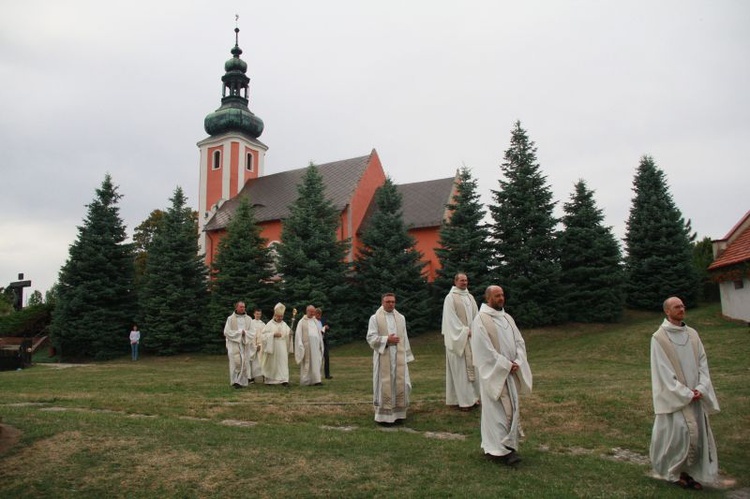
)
(242, 269)
(464, 239)
(174, 294)
(659, 255)
(311, 259)
(95, 304)
(388, 261)
(591, 263)
(524, 235)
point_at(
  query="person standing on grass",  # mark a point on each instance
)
(254, 371)
(308, 348)
(682, 444)
(503, 373)
(391, 385)
(275, 350)
(135, 339)
(325, 331)
(459, 310)
(240, 345)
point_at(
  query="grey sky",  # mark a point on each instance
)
(90, 87)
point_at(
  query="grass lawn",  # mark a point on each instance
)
(173, 427)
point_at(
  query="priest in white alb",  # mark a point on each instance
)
(274, 349)
(391, 385)
(254, 369)
(240, 342)
(504, 374)
(683, 449)
(308, 348)
(459, 310)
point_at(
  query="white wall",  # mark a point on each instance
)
(735, 303)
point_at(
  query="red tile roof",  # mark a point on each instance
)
(738, 249)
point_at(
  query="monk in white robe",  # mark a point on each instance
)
(308, 348)
(459, 310)
(240, 342)
(503, 373)
(683, 449)
(254, 370)
(275, 349)
(391, 385)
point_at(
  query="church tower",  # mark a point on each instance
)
(231, 154)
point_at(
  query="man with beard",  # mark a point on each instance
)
(503, 373)
(459, 310)
(682, 444)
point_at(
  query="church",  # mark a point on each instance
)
(232, 160)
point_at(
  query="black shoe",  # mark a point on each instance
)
(318, 384)
(237, 385)
(513, 458)
(329, 377)
(250, 381)
(285, 384)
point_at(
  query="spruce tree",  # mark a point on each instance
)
(95, 304)
(311, 259)
(524, 236)
(591, 263)
(464, 240)
(242, 269)
(174, 293)
(388, 261)
(659, 255)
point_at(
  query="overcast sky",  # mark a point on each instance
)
(90, 87)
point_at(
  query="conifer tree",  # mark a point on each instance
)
(524, 236)
(464, 239)
(174, 294)
(659, 254)
(310, 256)
(95, 304)
(591, 263)
(242, 269)
(388, 261)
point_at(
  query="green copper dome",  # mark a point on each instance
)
(234, 115)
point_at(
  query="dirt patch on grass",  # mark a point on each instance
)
(9, 436)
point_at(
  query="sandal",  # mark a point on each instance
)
(687, 482)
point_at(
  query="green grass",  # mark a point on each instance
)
(173, 427)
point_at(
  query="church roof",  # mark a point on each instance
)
(738, 245)
(423, 203)
(272, 194)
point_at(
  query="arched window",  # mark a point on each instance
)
(217, 160)
(249, 162)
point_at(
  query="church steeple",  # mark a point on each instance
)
(234, 115)
(231, 155)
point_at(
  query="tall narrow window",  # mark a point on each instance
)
(217, 160)
(249, 162)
